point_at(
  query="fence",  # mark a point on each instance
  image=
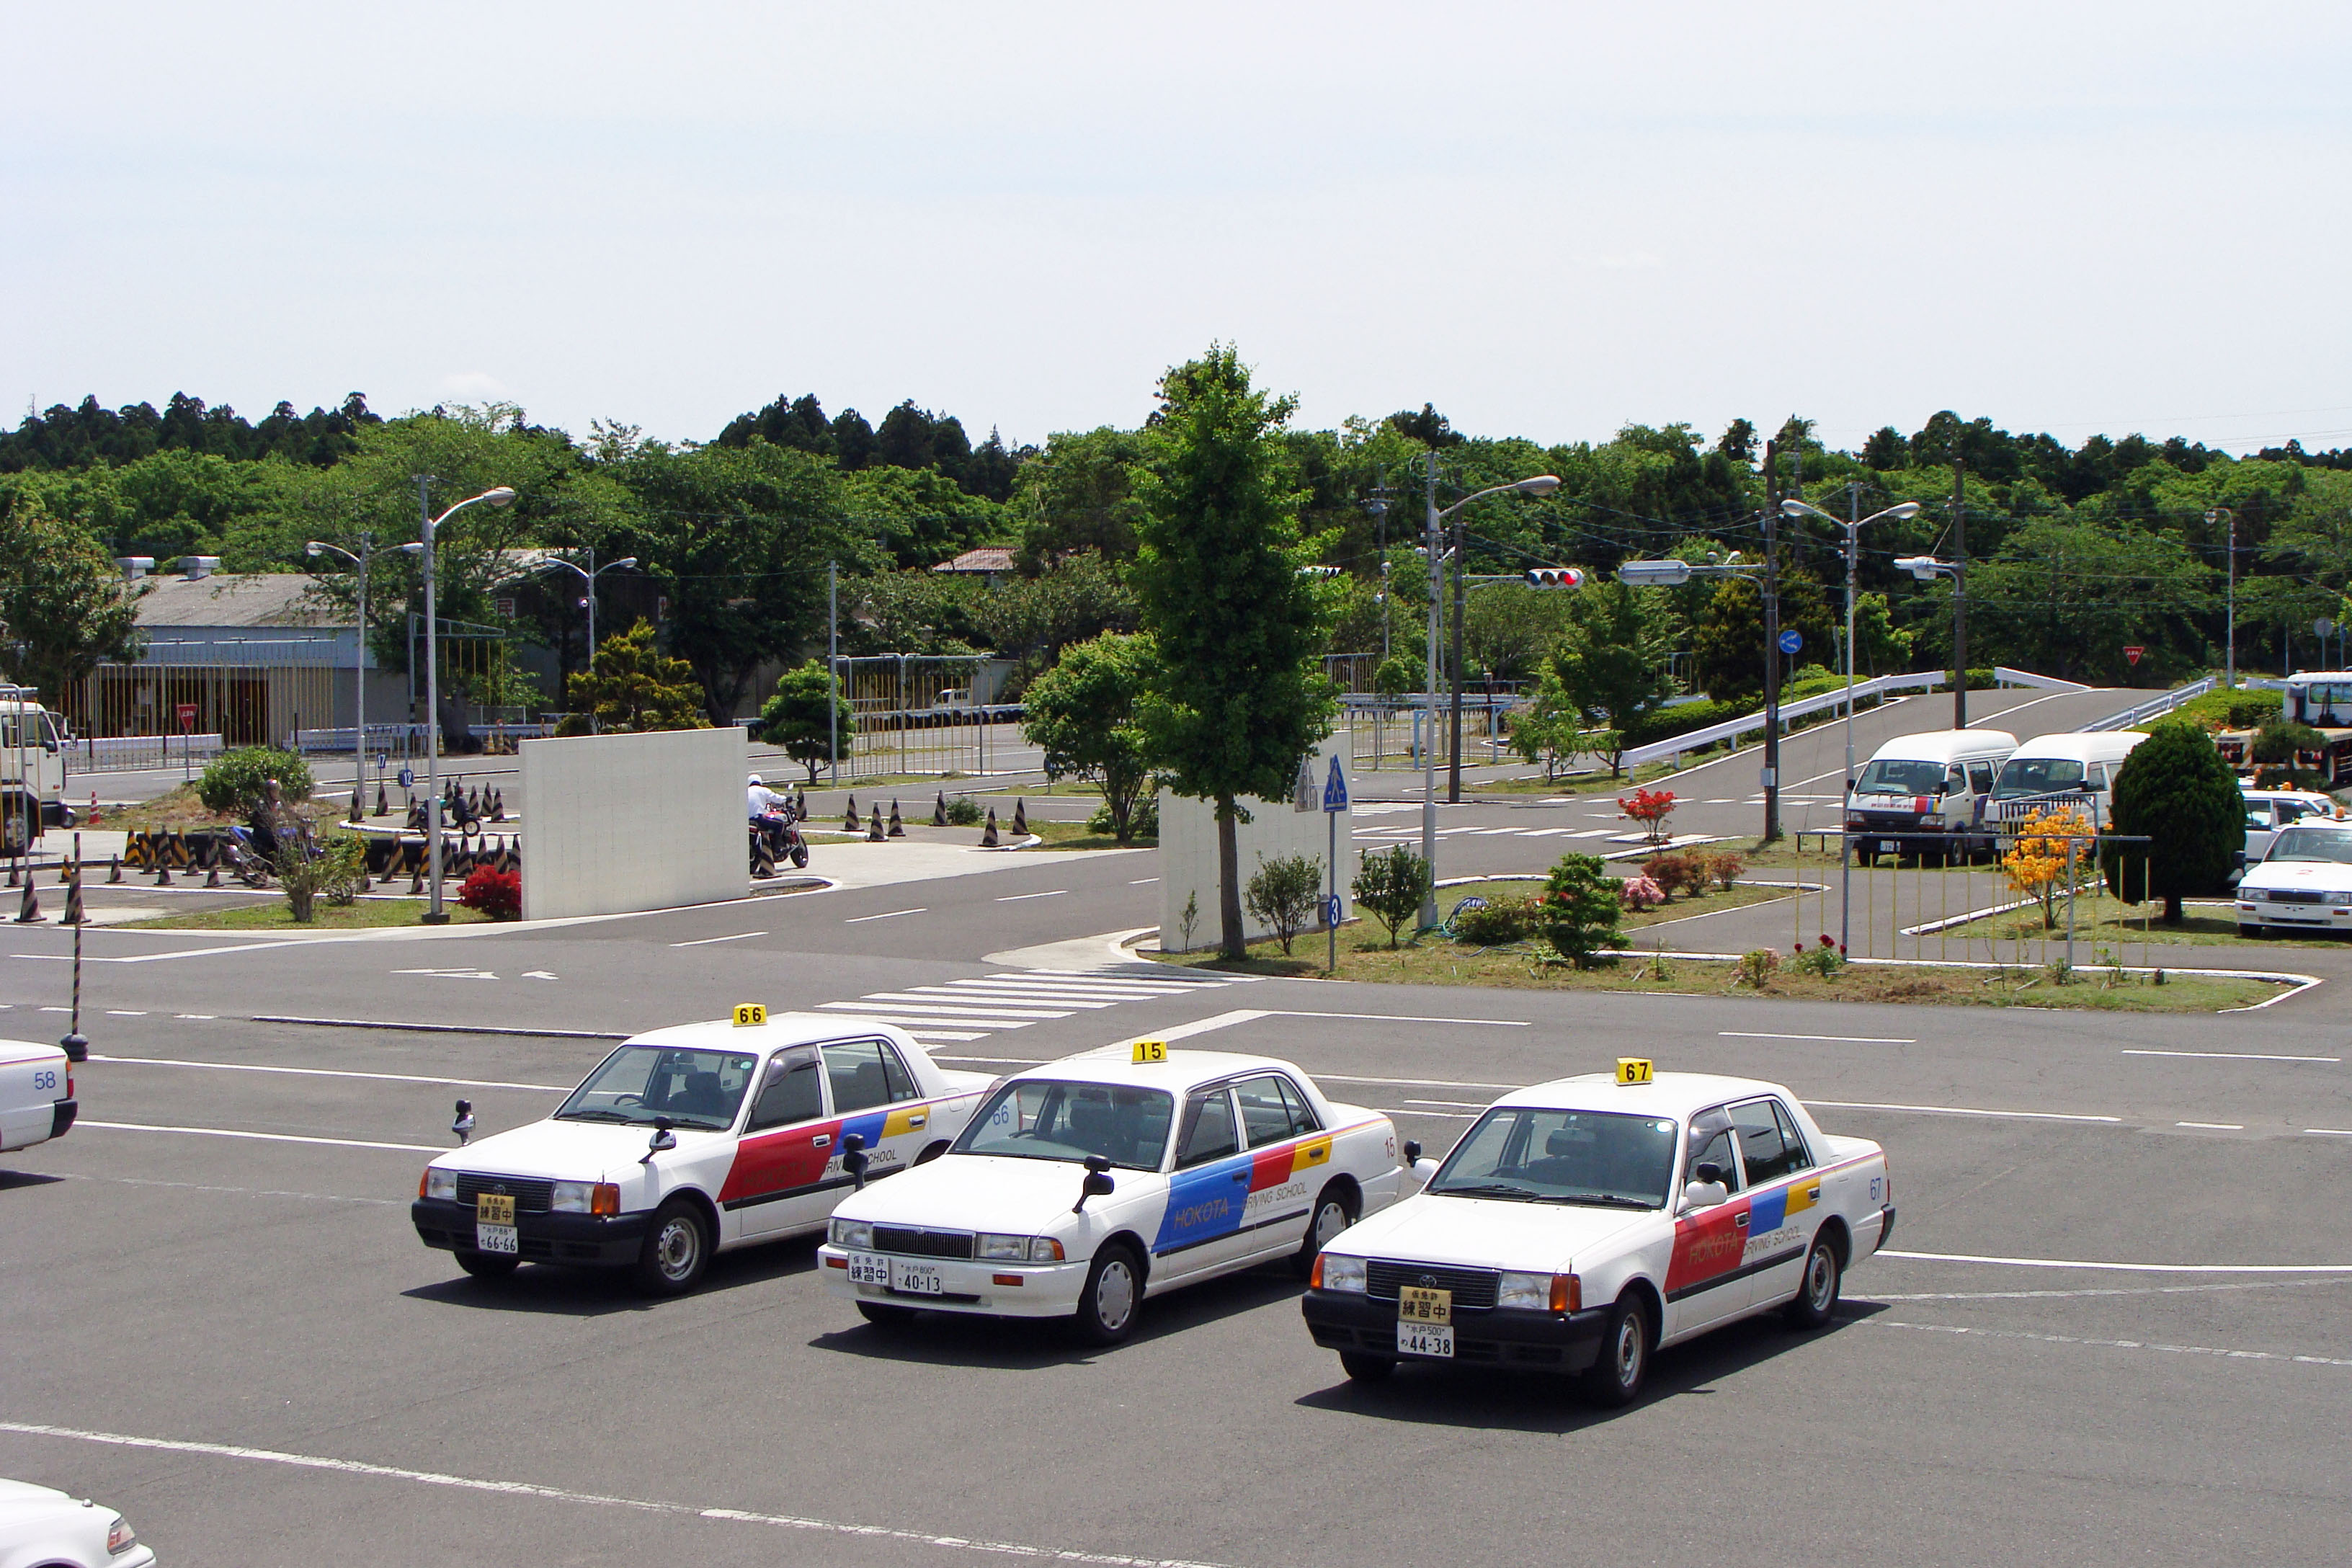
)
(2154, 705)
(1386, 731)
(916, 715)
(109, 753)
(1679, 746)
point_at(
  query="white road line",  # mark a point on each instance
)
(2232, 1056)
(927, 1035)
(2094, 1290)
(244, 1191)
(2108, 1344)
(946, 1006)
(263, 1137)
(2327, 1131)
(1962, 1111)
(1412, 1082)
(912, 1021)
(1111, 981)
(334, 1072)
(123, 1013)
(1400, 1018)
(1016, 898)
(997, 1061)
(1416, 1110)
(1010, 1000)
(706, 941)
(559, 1494)
(1841, 1039)
(1450, 1104)
(885, 915)
(1143, 882)
(2124, 1268)
(2215, 1126)
(197, 1017)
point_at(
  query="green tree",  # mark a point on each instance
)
(1579, 911)
(633, 687)
(804, 716)
(1604, 668)
(1391, 885)
(232, 784)
(1285, 894)
(1238, 698)
(63, 604)
(1728, 641)
(1880, 647)
(1079, 494)
(1081, 713)
(2176, 790)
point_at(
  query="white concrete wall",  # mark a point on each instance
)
(1188, 850)
(616, 823)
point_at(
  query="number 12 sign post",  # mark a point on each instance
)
(1334, 800)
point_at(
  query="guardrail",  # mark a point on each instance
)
(109, 753)
(2154, 705)
(2004, 676)
(1675, 746)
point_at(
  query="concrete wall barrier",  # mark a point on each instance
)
(619, 823)
(1188, 851)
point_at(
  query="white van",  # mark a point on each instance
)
(2075, 769)
(1921, 790)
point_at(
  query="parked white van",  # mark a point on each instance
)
(1919, 790)
(2072, 768)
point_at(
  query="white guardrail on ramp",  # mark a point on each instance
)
(2155, 706)
(1925, 681)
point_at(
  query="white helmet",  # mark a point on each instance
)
(757, 779)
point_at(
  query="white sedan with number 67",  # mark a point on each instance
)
(1084, 1185)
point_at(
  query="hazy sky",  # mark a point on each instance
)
(1548, 220)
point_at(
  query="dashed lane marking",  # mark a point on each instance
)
(2122, 1268)
(242, 1192)
(333, 1072)
(885, 915)
(597, 1499)
(2215, 1352)
(1016, 898)
(2214, 1126)
(706, 941)
(2232, 1056)
(1965, 1110)
(1841, 1039)
(263, 1137)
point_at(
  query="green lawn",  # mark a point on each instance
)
(275, 915)
(1076, 835)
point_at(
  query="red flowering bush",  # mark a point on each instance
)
(1650, 808)
(492, 893)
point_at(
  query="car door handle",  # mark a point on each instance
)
(1241, 1175)
(914, 1121)
(1740, 1220)
(822, 1140)
(1814, 1192)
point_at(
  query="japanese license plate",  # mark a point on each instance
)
(1425, 1339)
(494, 1223)
(1421, 1304)
(917, 1279)
(865, 1268)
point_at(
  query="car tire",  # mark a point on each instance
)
(2245, 929)
(1817, 1287)
(883, 1315)
(677, 1250)
(488, 1265)
(1617, 1374)
(1112, 1297)
(1335, 1211)
(1363, 1368)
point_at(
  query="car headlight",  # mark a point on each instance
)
(1528, 1292)
(1933, 819)
(1017, 1249)
(440, 1183)
(2339, 900)
(853, 1234)
(585, 1197)
(1044, 1249)
(1335, 1272)
(120, 1536)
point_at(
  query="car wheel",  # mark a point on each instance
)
(2245, 929)
(1817, 1289)
(677, 1250)
(1367, 1368)
(488, 1265)
(1333, 1214)
(1615, 1377)
(1107, 1308)
(882, 1315)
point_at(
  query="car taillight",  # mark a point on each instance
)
(605, 1200)
(120, 1536)
(70, 1093)
(1567, 1293)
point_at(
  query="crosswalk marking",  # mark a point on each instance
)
(959, 1011)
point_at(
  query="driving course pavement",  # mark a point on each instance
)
(2112, 1327)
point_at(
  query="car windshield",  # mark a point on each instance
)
(638, 1083)
(1602, 1158)
(1044, 1119)
(2037, 775)
(1898, 775)
(2312, 844)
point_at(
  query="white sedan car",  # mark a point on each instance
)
(2304, 883)
(1580, 1225)
(1087, 1184)
(40, 1525)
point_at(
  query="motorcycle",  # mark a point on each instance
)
(781, 840)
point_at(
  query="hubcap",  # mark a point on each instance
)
(1628, 1351)
(1329, 1221)
(676, 1250)
(1819, 1279)
(1114, 1296)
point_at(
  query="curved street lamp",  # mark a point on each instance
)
(497, 495)
(588, 575)
(315, 549)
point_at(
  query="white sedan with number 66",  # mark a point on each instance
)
(1082, 1186)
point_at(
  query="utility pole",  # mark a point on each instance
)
(1461, 604)
(1379, 508)
(1959, 598)
(2229, 659)
(833, 671)
(1771, 642)
(1430, 536)
(434, 913)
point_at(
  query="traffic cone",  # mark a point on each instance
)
(28, 910)
(1021, 819)
(12, 871)
(898, 828)
(162, 874)
(65, 871)
(417, 883)
(763, 865)
(850, 822)
(73, 915)
(874, 826)
(383, 803)
(939, 810)
(214, 879)
(114, 869)
(498, 806)
(988, 834)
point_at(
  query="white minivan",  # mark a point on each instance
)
(1920, 793)
(2072, 768)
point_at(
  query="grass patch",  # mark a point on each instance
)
(1527, 966)
(2103, 923)
(276, 915)
(1078, 836)
(176, 809)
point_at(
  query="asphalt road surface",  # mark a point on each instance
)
(2112, 1330)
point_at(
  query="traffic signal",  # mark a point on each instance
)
(1556, 577)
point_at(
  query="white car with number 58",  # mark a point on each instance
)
(1087, 1184)
(1580, 1225)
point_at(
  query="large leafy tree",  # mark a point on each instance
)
(635, 687)
(1081, 713)
(806, 715)
(2176, 790)
(63, 604)
(1238, 696)
(1605, 668)
(1728, 637)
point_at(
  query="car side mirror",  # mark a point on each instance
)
(1705, 1194)
(1412, 1151)
(1424, 1171)
(1097, 1185)
(662, 1138)
(853, 1158)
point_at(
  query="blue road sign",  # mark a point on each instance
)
(1335, 789)
(1334, 912)
(407, 778)
(1791, 642)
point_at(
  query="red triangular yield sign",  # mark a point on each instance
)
(2132, 652)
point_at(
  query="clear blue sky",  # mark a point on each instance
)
(1548, 219)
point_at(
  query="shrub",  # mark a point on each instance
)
(1579, 910)
(2279, 738)
(964, 811)
(311, 868)
(1493, 922)
(1143, 822)
(1825, 960)
(493, 892)
(1676, 872)
(1650, 808)
(231, 782)
(1727, 867)
(1643, 892)
(1755, 966)
(2175, 789)
(1392, 886)
(1284, 894)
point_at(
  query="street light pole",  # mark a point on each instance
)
(1959, 598)
(588, 576)
(359, 747)
(1461, 606)
(427, 525)
(2229, 659)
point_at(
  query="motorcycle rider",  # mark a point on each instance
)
(764, 800)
